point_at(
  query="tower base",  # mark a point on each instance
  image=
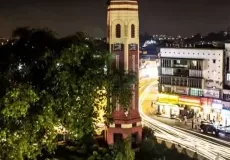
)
(116, 133)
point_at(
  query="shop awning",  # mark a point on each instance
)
(190, 104)
(166, 103)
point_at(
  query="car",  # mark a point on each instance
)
(208, 128)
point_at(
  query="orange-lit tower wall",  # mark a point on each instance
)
(123, 40)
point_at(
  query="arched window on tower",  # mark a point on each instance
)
(118, 31)
(132, 31)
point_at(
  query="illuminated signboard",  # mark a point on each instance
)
(181, 90)
(226, 91)
(189, 99)
(226, 104)
(216, 101)
(167, 97)
(226, 95)
(211, 93)
(216, 106)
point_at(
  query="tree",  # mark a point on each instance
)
(119, 151)
(47, 84)
(123, 150)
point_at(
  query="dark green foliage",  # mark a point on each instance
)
(94, 151)
(150, 149)
(48, 82)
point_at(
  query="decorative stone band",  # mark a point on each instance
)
(122, 9)
(123, 3)
(126, 126)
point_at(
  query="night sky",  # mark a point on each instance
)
(173, 17)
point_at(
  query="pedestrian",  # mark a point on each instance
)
(192, 123)
(152, 104)
(195, 123)
(198, 122)
(185, 120)
(214, 118)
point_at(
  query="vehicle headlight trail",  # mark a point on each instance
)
(205, 147)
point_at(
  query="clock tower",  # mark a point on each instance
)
(123, 40)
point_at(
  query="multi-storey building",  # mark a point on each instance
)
(226, 90)
(195, 79)
(192, 72)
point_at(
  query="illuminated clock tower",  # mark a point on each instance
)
(123, 40)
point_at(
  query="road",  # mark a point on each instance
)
(206, 147)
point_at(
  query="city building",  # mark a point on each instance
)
(194, 80)
(3, 41)
(123, 40)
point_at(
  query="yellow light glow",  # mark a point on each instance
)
(162, 95)
(189, 100)
(168, 97)
(173, 97)
(99, 108)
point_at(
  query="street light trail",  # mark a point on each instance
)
(192, 142)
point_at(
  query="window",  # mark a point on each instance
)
(195, 92)
(133, 63)
(227, 64)
(117, 137)
(226, 97)
(117, 125)
(117, 61)
(117, 105)
(214, 61)
(134, 98)
(194, 63)
(228, 77)
(132, 31)
(118, 31)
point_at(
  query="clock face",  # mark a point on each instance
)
(117, 47)
(132, 47)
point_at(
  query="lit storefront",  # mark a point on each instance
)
(216, 111)
(211, 107)
(167, 105)
(206, 108)
(225, 114)
(192, 102)
(226, 108)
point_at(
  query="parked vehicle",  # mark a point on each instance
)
(208, 128)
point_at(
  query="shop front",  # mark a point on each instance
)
(216, 111)
(167, 105)
(225, 114)
(206, 104)
(191, 105)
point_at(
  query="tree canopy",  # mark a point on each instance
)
(48, 82)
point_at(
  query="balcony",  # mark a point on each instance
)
(178, 72)
(181, 63)
(181, 81)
